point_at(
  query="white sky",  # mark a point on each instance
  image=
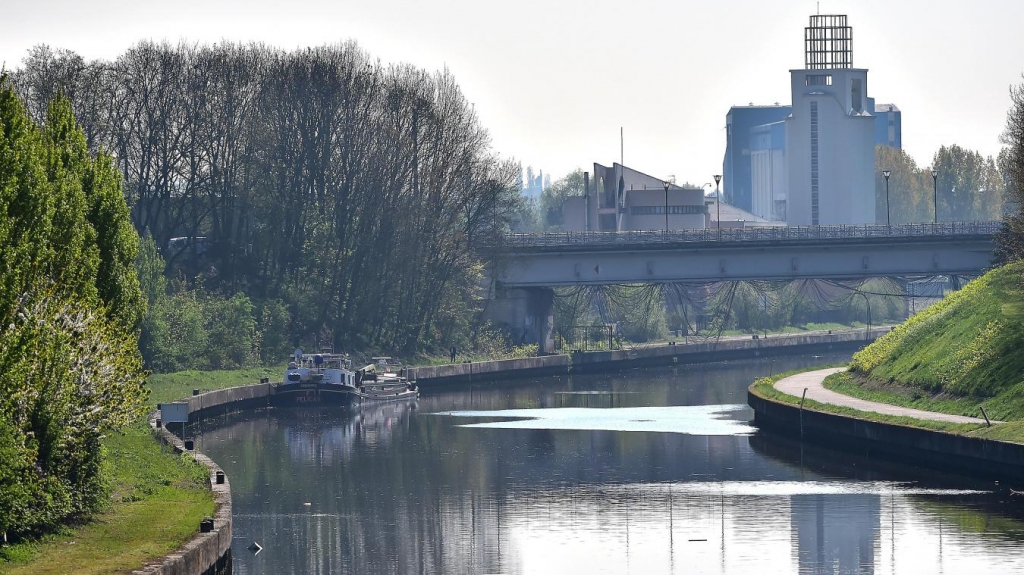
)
(553, 80)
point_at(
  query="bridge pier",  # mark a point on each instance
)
(527, 314)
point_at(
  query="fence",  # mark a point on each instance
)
(743, 235)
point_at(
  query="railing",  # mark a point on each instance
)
(741, 235)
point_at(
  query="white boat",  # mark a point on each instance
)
(328, 378)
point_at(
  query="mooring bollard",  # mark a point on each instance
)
(206, 525)
(195, 392)
(220, 478)
(189, 445)
(158, 423)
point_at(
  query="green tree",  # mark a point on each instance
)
(116, 279)
(910, 197)
(75, 253)
(1011, 165)
(553, 198)
(67, 373)
(969, 185)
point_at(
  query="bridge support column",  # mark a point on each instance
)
(527, 314)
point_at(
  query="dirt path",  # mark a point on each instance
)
(811, 380)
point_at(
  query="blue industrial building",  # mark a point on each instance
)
(736, 174)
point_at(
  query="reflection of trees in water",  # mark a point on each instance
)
(372, 508)
(396, 493)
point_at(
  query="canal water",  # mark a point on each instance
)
(643, 471)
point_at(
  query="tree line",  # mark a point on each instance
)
(350, 193)
(70, 304)
(961, 184)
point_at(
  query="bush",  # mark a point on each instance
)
(70, 368)
(66, 377)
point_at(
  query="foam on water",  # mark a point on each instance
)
(689, 419)
(788, 488)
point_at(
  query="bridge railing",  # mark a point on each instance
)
(767, 234)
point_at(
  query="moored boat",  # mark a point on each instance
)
(372, 385)
(328, 379)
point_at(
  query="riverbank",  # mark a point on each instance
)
(674, 353)
(961, 355)
(937, 440)
(234, 389)
(147, 479)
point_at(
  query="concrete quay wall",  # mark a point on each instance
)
(206, 553)
(668, 354)
(973, 455)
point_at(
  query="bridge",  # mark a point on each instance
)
(783, 253)
(527, 266)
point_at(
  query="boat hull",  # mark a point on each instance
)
(310, 394)
(361, 397)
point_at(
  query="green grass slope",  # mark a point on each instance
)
(966, 349)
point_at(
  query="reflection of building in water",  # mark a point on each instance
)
(836, 533)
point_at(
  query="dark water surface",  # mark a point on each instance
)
(644, 471)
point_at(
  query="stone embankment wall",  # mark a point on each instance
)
(675, 354)
(207, 553)
(937, 449)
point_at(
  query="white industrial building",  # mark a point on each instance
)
(816, 166)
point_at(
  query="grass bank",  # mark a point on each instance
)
(765, 388)
(164, 387)
(958, 356)
(157, 499)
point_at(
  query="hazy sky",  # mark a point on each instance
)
(553, 80)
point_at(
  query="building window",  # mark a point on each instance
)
(856, 101)
(818, 80)
(672, 210)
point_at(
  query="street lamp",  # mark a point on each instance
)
(867, 303)
(666, 207)
(886, 174)
(935, 194)
(718, 203)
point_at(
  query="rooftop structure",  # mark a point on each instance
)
(809, 162)
(619, 198)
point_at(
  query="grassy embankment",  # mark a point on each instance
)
(765, 387)
(157, 500)
(157, 497)
(959, 355)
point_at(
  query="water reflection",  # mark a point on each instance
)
(405, 490)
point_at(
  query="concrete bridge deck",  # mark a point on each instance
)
(819, 252)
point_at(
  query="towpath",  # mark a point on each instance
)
(812, 381)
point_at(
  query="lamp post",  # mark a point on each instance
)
(886, 174)
(666, 207)
(718, 203)
(935, 194)
(867, 303)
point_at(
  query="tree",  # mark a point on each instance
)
(1011, 165)
(68, 374)
(969, 185)
(553, 198)
(910, 197)
(363, 197)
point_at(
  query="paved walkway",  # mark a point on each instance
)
(811, 380)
